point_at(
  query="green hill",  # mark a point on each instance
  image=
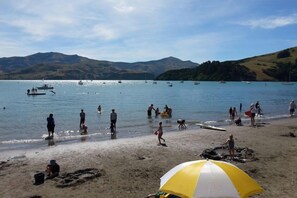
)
(267, 66)
(278, 66)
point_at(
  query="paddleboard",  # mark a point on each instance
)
(206, 126)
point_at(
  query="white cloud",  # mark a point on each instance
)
(123, 8)
(127, 30)
(272, 22)
(104, 33)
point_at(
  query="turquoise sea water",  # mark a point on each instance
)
(23, 121)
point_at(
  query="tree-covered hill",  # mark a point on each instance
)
(211, 71)
(278, 66)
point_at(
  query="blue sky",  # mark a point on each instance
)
(143, 30)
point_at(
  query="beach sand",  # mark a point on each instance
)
(133, 167)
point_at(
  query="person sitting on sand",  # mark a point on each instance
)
(52, 169)
(230, 142)
(238, 121)
(159, 132)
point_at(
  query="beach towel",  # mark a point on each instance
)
(248, 113)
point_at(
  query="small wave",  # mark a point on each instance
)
(21, 141)
(245, 120)
(18, 158)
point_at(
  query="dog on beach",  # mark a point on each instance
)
(181, 124)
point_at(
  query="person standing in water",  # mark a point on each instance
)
(149, 110)
(99, 109)
(292, 108)
(50, 125)
(113, 120)
(82, 118)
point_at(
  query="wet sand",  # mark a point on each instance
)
(133, 167)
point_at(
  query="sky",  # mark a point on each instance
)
(144, 30)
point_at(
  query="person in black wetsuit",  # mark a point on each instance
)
(50, 125)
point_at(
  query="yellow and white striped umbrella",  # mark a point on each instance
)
(208, 178)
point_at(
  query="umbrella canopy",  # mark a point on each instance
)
(208, 178)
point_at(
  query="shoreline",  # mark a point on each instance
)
(101, 136)
(133, 166)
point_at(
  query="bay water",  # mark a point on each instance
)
(23, 118)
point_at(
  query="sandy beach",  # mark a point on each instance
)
(133, 167)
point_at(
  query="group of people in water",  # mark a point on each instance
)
(82, 125)
(166, 113)
(253, 111)
(113, 119)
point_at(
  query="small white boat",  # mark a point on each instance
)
(45, 87)
(36, 94)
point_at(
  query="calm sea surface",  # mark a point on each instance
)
(23, 121)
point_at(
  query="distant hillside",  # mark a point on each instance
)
(211, 71)
(156, 66)
(54, 65)
(274, 66)
(278, 66)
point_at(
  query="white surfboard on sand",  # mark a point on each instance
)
(206, 126)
